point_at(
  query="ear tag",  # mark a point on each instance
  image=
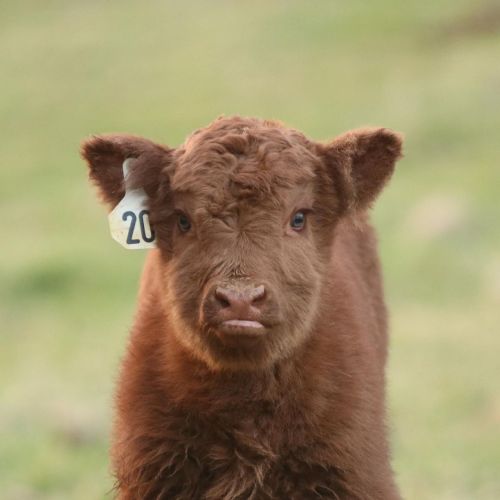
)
(129, 220)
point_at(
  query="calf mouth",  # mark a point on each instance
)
(241, 328)
(240, 342)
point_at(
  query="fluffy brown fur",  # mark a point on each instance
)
(210, 411)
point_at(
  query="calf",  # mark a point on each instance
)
(255, 368)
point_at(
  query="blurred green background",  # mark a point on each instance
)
(164, 68)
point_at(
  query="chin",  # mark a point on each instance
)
(238, 347)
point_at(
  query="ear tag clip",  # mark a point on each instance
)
(129, 220)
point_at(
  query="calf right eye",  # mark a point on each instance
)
(183, 222)
(298, 220)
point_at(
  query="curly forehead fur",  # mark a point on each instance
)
(248, 157)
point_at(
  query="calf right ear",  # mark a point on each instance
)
(105, 155)
(361, 162)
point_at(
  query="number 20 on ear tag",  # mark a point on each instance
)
(129, 220)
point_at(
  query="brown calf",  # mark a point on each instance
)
(255, 368)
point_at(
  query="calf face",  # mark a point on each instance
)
(245, 214)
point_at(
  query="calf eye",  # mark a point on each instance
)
(183, 223)
(298, 221)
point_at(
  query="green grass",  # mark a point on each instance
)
(163, 68)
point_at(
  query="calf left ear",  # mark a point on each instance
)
(105, 155)
(360, 163)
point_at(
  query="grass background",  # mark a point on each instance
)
(163, 68)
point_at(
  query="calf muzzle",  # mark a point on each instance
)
(237, 307)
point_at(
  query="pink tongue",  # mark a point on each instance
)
(244, 323)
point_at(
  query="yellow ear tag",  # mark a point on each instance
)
(129, 220)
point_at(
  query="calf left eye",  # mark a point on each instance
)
(183, 222)
(298, 221)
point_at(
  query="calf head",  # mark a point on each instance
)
(245, 214)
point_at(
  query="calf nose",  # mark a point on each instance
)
(240, 302)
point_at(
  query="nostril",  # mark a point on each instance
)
(222, 296)
(258, 294)
(224, 302)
